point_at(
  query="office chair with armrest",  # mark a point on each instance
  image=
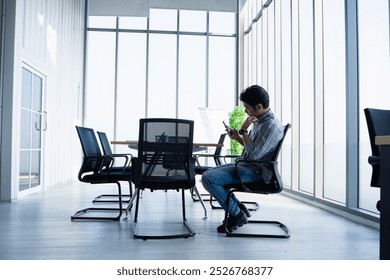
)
(97, 169)
(378, 123)
(218, 160)
(105, 144)
(164, 164)
(259, 187)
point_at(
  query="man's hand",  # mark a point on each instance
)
(234, 134)
(248, 122)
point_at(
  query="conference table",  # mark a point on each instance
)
(384, 240)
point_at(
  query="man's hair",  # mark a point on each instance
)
(254, 95)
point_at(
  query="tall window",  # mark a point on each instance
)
(168, 65)
(306, 96)
(286, 90)
(100, 96)
(300, 53)
(131, 83)
(374, 83)
(334, 100)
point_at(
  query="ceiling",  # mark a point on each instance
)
(141, 7)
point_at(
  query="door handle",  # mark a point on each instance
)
(41, 120)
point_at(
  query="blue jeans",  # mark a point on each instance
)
(215, 178)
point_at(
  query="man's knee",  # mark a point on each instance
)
(205, 179)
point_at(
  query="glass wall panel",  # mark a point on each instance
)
(101, 22)
(193, 21)
(221, 22)
(271, 55)
(161, 99)
(306, 96)
(313, 57)
(161, 19)
(334, 100)
(192, 75)
(157, 72)
(222, 73)
(260, 65)
(286, 89)
(100, 94)
(133, 23)
(131, 85)
(374, 83)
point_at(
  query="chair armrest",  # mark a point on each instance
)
(136, 172)
(204, 155)
(374, 160)
(235, 157)
(95, 164)
(125, 156)
(101, 161)
(191, 168)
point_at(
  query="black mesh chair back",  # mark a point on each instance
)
(378, 123)
(165, 148)
(93, 159)
(164, 162)
(104, 143)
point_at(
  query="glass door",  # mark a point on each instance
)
(32, 126)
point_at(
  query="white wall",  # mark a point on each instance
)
(49, 37)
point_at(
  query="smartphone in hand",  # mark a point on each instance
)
(228, 129)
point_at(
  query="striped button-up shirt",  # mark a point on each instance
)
(265, 136)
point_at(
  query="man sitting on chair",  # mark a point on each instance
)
(259, 145)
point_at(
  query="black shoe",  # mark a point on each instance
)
(233, 222)
(243, 208)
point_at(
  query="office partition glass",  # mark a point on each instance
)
(334, 101)
(306, 96)
(374, 84)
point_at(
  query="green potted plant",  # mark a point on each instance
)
(236, 118)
